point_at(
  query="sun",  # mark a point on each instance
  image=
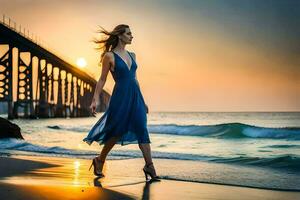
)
(81, 62)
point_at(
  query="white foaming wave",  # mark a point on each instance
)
(291, 162)
(175, 129)
(75, 128)
(258, 132)
(227, 130)
(21, 145)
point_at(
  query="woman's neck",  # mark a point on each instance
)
(120, 47)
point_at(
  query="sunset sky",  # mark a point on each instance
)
(225, 55)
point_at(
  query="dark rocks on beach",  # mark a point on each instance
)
(9, 130)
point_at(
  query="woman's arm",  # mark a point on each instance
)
(106, 63)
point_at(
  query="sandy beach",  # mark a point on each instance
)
(32, 177)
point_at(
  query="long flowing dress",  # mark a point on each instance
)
(125, 115)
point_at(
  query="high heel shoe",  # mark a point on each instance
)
(94, 164)
(153, 178)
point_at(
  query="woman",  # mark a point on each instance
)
(125, 119)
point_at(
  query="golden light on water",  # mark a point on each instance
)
(76, 172)
(81, 62)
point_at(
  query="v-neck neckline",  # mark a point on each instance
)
(129, 69)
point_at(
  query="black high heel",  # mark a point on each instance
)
(94, 164)
(153, 178)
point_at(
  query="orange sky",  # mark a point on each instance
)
(189, 58)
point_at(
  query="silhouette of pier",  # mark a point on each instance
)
(36, 83)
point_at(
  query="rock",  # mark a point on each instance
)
(9, 130)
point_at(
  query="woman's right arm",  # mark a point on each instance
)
(106, 64)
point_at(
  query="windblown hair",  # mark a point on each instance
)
(111, 40)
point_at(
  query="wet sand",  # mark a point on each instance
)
(32, 177)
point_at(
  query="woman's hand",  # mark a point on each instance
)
(147, 109)
(93, 107)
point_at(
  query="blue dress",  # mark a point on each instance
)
(125, 115)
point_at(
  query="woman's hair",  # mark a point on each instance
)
(111, 41)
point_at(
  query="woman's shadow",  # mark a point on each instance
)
(111, 194)
(146, 190)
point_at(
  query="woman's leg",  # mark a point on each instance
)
(106, 149)
(146, 150)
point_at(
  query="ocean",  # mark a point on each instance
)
(252, 149)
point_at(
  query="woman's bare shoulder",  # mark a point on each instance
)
(108, 54)
(109, 57)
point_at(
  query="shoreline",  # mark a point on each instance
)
(31, 157)
(56, 177)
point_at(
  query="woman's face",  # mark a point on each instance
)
(126, 37)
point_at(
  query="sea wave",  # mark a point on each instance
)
(283, 146)
(22, 145)
(287, 161)
(227, 130)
